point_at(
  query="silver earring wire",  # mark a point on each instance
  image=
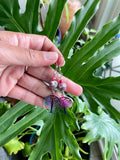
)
(60, 73)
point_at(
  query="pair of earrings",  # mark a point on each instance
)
(57, 85)
(54, 103)
(61, 86)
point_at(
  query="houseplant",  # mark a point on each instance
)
(57, 128)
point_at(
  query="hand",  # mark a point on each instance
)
(18, 50)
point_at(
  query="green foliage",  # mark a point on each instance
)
(14, 146)
(84, 63)
(80, 67)
(67, 12)
(10, 117)
(27, 149)
(13, 20)
(4, 106)
(89, 33)
(81, 18)
(102, 126)
(53, 18)
(56, 130)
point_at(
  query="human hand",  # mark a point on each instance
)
(18, 50)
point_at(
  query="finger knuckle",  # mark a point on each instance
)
(31, 57)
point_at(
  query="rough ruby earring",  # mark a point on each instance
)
(62, 86)
(53, 83)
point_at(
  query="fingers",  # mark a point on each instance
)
(46, 74)
(9, 78)
(34, 85)
(12, 55)
(33, 95)
(30, 41)
(24, 95)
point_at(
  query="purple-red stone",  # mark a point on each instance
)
(62, 86)
(53, 84)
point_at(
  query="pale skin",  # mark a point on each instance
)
(18, 50)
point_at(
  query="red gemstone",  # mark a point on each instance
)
(53, 78)
(61, 81)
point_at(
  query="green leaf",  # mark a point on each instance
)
(9, 117)
(100, 89)
(86, 61)
(106, 54)
(80, 20)
(102, 127)
(18, 127)
(14, 146)
(11, 18)
(55, 130)
(93, 31)
(102, 37)
(79, 106)
(53, 18)
(87, 31)
(27, 149)
(67, 12)
(4, 106)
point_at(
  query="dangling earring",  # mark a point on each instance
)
(66, 101)
(53, 102)
(53, 83)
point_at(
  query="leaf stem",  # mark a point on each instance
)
(33, 129)
(67, 157)
(81, 132)
(66, 153)
(81, 150)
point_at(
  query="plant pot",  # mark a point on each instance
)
(73, 7)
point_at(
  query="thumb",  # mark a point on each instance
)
(13, 55)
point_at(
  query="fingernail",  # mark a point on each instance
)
(63, 63)
(50, 55)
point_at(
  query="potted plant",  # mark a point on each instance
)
(92, 111)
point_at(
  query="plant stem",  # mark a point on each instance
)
(79, 115)
(81, 150)
(33, 129)
(81, 132)
(81, 119)
(68, 157)
(66, 152)
(80, 139)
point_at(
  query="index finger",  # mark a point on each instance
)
(31, 41)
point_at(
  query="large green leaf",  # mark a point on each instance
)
(53, 18)
(107, 32)
(11, 18)
(102, 127)
(56, 130)
(8, 118)
(80, 20)
(84, 63)
(15, 129)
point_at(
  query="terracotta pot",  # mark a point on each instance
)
(73, 7)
